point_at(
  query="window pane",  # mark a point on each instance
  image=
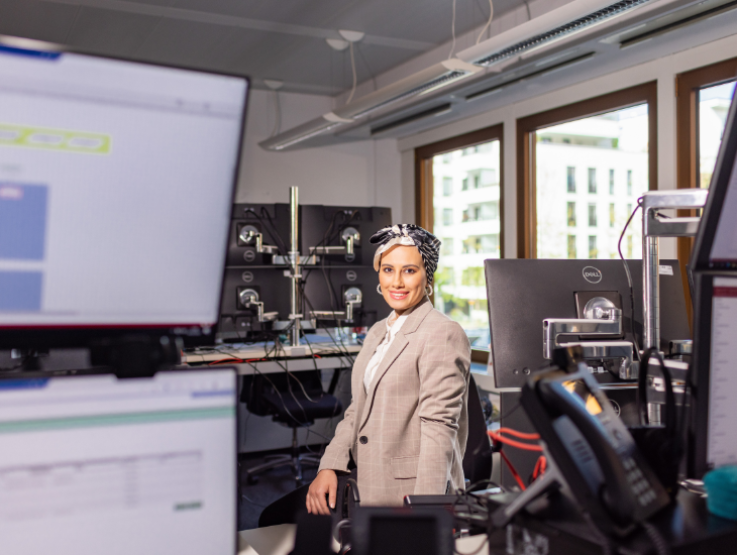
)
(713, 107)
(571, 171)
(592, 180)
(473, 237)
(571, 214)
(447, 186)
(615, 149)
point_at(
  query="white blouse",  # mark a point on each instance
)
(393, 325)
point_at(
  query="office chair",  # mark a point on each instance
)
(477, 462)
(294, 400)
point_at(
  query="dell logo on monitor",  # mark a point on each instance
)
(592, 275)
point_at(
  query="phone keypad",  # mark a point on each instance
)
(638, 482)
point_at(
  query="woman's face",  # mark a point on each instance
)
(402, 277)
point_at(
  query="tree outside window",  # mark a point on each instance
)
(571, 214)
(593, 251)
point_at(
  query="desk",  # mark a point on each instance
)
(279, 540)
(260, 433)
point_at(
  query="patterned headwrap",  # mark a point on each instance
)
(410, 235)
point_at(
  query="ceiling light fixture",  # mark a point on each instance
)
(491, 55)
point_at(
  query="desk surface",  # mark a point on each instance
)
(279, 540)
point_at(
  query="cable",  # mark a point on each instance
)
(453, 32)
(353, 69)
(488, 23)
(629, 278)
(656, 538)
(498, 438)
(513, 470)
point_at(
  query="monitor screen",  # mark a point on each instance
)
(721, 430)
(116, 187)
(93, 464)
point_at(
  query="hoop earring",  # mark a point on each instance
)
(431, 290)
(378, 289)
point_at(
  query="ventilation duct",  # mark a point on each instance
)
(488, 55)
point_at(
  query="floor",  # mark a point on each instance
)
(271, 485)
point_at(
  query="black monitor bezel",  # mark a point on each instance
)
(704, 241)
(56, 336)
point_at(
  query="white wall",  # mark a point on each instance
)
(663, 69)
(362, 173)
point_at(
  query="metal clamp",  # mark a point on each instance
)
(250, 234)
(353, 297)
(350, 236)
(602, 318)
(249, 298)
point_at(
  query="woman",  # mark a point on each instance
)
(406, 427)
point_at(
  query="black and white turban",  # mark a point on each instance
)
(410, 235)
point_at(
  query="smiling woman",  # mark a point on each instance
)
(406, 428)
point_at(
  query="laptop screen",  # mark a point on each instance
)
(93, 465)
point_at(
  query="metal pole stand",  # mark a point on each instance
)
(654, 227)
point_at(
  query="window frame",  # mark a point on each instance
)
(688, 85)
(528, 126)
(424, 191)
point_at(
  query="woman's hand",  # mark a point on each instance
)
(326, 483)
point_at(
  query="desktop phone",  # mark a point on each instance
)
(592, 449)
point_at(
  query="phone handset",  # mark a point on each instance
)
(615, 493)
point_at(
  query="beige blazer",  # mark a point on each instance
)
(408, 433)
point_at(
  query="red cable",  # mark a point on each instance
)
(511, 442)
(513, 470)
(515, 433)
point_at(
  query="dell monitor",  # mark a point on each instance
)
(523, 293)
(712, 432)
(93, 464)
(116, 189)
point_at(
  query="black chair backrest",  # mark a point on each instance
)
(477, 463)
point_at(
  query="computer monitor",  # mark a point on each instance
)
(522, 293)
(116, 188)
(323, 225)
(92, 464)
(713, 412)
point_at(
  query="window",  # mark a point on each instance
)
(593, 251)
(447, 216)
(481, 244)
(629, 183)
(612, 215)
(571, 214)
(703, 94)
(629, 210)
(629, 246)
(447, 186)
(714, 104)
(571, 175)
(592, 214)
(613, 133)
(592, 180)
(470, 223)
(572, 246)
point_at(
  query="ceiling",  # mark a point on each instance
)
(263, 39)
